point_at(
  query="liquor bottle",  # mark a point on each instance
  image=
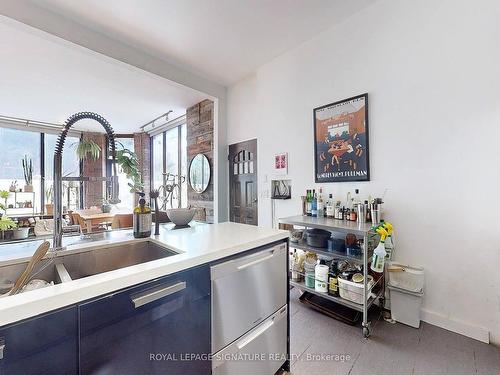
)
(320, 204)
(337, 210)
(357, 199)
(330, 208)
(314, 205)
(368, 212)
(308, 203)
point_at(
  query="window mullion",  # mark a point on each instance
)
(42, 173)
(179, 163)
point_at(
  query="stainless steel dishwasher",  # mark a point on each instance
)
(245, 292)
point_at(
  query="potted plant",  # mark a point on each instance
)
(13, 186)
(20, 233)
(6, 224)
(28, 173)
(49, 199)
(4, 194)
(129, 163)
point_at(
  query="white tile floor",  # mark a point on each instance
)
(392, 349)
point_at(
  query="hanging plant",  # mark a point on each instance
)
(88, 148)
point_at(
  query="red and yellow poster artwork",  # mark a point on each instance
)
(341, 141)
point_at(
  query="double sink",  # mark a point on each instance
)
(68, 265)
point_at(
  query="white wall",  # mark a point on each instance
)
(431, 69)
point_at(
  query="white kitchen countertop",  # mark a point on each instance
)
(197, 245)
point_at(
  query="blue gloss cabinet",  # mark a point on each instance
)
(46, 344)
(151, 328)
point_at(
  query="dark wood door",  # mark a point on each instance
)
(243, 182)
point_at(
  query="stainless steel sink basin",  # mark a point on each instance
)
(95, 261)
(51, 272)
(76, 264)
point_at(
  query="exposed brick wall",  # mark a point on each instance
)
(93, 192)
(142, 147)
(200, 139)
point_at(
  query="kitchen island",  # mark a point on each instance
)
(165, 315)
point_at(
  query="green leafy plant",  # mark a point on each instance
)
(4, 194)
(7, 223)
(27, 169)
(129, 163)
(88, 147)
(49, 193)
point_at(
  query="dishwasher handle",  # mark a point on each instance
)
(156, 294)
(253, 262)
(255, 334)
(262, 328)
(243, 263)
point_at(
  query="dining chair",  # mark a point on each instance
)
(122, 221)
(83, 225)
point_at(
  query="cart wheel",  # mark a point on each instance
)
(366, 332)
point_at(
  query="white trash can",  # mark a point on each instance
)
(405, 306)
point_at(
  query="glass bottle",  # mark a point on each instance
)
(330, 209)
(308, 203)
(314, 205)
(320, 204)
(142, 219)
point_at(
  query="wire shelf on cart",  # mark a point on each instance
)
(340, 226)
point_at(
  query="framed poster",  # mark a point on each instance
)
(281, 163)
(341, 141)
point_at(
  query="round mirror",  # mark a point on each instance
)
(199, 173)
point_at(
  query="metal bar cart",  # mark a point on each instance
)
(370, 238)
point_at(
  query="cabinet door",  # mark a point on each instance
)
(46, 344)
(150, 328)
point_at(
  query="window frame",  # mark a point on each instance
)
(109, 165)
(43, 177)
(164, 157)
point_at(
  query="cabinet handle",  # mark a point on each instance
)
(2, 348)
(255, 261)
(246, 340)
(157, 294)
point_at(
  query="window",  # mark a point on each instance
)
(70, 168)
(15, 144)
(170, 156)
(157, 160)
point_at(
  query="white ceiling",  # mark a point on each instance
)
(223, 40)
(45, 78)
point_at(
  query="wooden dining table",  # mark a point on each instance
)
(92, 218)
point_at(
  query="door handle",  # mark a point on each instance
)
(255, 200)
(256, 261)
(2, 348)
(252, 336)
(157, 294)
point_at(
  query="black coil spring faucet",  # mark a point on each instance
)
(57, 239)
